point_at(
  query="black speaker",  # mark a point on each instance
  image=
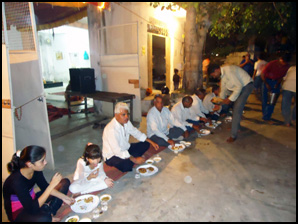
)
(87, 80)
(75, 79)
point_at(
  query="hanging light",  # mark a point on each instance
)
(102, 5)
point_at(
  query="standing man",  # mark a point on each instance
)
(272, 75)
(289, 92)
(176, 79)
(233, 79)
(247, 64)
(161, 125)
(117, 151)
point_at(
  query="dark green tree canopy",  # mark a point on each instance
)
(230, 18)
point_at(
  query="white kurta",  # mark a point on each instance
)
(115, 139)
(208, 104)
(158, 123)
(81, 184)
(198, 107)
(182, 114)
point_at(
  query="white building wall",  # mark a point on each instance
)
(129, 12)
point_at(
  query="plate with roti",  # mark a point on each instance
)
(147, 170)
(85, 203)
(177, 147)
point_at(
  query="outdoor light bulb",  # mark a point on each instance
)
(102, 6)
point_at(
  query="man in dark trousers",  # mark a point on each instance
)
(233, 79)
(272, 75)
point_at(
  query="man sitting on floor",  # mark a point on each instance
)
(197, 105)
(158, 120)
(215, 110)
(182, 114)
(117, 151)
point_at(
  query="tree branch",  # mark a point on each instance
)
(282, 19)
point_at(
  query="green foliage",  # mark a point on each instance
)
(230, 18)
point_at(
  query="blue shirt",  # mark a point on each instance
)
(249, 67)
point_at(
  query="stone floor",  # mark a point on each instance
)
(253, 179)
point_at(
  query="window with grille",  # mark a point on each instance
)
(19, 26)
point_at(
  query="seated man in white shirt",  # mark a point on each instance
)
(238, 82)
(117, 151)
(214, 110)
(187, 118)
(161, 125)
(197, 105)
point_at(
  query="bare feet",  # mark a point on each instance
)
(54, 219)
(231, 140)
(137, 160)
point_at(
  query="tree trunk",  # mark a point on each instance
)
(194, 44)
(202, 30)
(191, 55)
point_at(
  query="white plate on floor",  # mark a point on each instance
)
(218, 122)
(74, 218)
(85, 203)
(177, 147)
(210, 125)
(205, 132)
(187, 144)
(147, 170)
(105, 197)
(157, 159)
(85, 220)
(149, 161)
(228, 119)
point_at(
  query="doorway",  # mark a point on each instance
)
(158, 62)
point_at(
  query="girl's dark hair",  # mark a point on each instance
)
(30, 153)
(92, 151)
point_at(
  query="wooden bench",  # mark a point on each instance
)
(102, 96)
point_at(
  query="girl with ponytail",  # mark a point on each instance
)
(20, 201)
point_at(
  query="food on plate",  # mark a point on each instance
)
(83, 207)
(210, 125)
(216, 100)
(106, 198)
(142, 170)
(150, 169)
(75, 219)
(149, 161)
(157, 159)
(88, 200)
(177, 147)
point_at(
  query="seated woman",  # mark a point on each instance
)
(20, 202)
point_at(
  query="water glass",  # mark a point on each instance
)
(104, 206)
